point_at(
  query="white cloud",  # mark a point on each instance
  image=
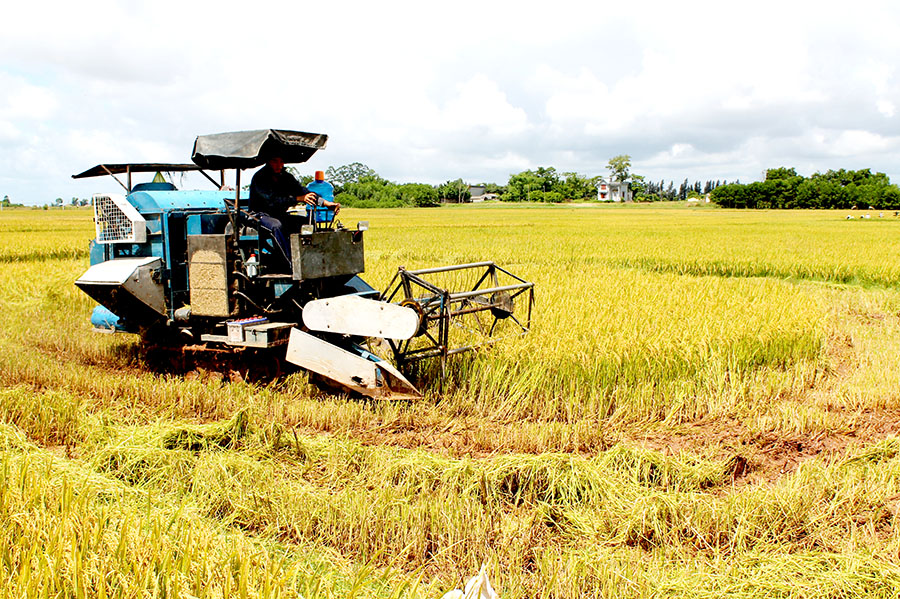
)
(9, 132)
(858, 143)
(21, 100)
(481, 106)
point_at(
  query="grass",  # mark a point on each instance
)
(704, 407)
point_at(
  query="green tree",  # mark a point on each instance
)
(521, 187)
(419, 194)
(640, 191)
(5, 202)
(58, 202)
(531, 186)
(619, 167)
(784, 188)
(355, 172)
(549, 178)
(779, 173)
(730, 196)
(551, 197)
(576, 187)
(369, 192)
(456, 191)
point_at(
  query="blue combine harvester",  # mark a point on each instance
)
(191, 267)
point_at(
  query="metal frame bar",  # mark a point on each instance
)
(211, 180)
(428, 271)
(127, 188)
(445, 307)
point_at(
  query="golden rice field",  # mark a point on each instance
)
(706, 406)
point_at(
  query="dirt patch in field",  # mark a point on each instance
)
(752, 457)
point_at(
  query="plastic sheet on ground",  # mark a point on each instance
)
(477, 587)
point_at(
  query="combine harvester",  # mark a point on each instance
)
(190, 266)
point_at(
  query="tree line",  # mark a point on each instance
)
(357, 185)
(57, 203)
(784, 188)
(652, 191)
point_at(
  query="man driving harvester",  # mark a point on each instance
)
(273, 191)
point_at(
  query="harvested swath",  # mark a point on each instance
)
(199, 437)
(163, 455)
(66, 531)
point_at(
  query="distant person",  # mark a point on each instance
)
(273, 190)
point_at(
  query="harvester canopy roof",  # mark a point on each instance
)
(248, 149)
(143, 167)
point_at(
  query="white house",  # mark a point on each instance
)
(613, 191)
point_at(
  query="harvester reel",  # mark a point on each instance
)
(460, 308)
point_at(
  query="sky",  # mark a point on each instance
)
(429, 92)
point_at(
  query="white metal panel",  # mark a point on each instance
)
(354, 315)
(333, 363)
(115, 271)
(396, 381)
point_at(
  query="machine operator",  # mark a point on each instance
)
(273, 190)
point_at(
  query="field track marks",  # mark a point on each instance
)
(767, 456)
(755, 457)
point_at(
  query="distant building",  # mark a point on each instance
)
(613, 191)
(479, 194)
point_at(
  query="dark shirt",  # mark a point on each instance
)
(273, 193)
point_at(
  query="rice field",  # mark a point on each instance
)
(706, 406)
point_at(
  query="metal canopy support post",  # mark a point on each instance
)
(237, 188)
(109, 172)
(211, 180)
(235, 214)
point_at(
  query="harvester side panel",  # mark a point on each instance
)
(359, 372)
(327, 254)
(129, 287)
(208, 274)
